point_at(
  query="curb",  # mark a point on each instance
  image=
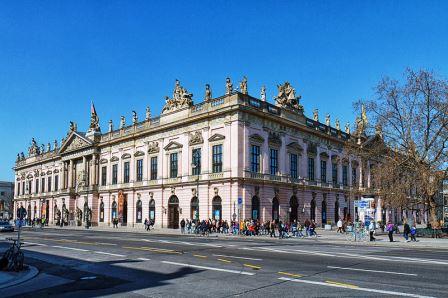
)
(32, 272)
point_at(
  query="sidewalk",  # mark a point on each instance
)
(11, 278)
(324, 236)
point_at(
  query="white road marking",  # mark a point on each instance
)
(71, 248)
(208, 268)
(189, 243)
(355, 288)
(33, 243)
(244, 258)
(143, 259)
(109, 254)
(369, 270)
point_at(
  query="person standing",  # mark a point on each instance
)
(372, 231)
(413, 233)
(390, 231)
(182, 226)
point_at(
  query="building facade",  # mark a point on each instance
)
(6, 198)
(231, 157)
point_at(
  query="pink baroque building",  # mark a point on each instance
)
(229, 157)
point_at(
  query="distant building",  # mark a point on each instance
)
(229, 157)
(6, 198)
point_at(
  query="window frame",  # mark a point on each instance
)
(217, 156)
(311, 169)
(114, 174)
(174, 164)
(126, 172)
(255, 158)
(153, 167)
(273, 161)
(139, 170)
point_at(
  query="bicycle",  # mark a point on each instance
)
(357, 235)
(14, 255)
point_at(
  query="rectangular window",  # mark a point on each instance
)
(103, 175)
(310, 168)
(114, 174)
(23, 188)
(334, 173)
(293, 165)
(18, 189)
(217, 159)
(126, 172)
(49, 184)
(344, 175)
(154, 168)
(274, 161)
(173, 165)
(196, 161)
(36, 189)
(140, 170)
(43, 185)
(29, 186)
(354, 175)
(56, 182)
(255, 158)
(323, 171)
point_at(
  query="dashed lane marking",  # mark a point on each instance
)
(369, 270)
(109, 254)
(200, 256)
(143, 259)
(235, 257)
(151, 249)
(341, 284)
(33, 243)
(290, 274)
(70, 248)
(224, 260)
(346, 286)
(104, 243)
(208, 268)
(252, 266)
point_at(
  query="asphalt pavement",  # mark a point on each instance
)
(94, 263)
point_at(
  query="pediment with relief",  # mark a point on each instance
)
(75, 142)
(216, 137)
(172, 146)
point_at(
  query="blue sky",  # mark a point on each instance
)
(55, 57)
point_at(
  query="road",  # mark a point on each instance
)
(96, 263)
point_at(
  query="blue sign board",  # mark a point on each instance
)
(240, 201)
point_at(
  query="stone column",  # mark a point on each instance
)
(85, 169)
(317, 167)
(62, 182)
(70, 174)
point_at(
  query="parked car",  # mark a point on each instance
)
(5, 226)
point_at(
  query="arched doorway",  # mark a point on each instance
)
(336, 211)
(114, 210)
(294, 205)
(216, 208)
(275, 209)
(152, 210)
(102, 211)
(194, 208)
(324, 212)
(139, 214)
(255, 208)
(173, 212)
(313, 210)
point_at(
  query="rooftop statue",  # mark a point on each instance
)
(94, 119)
(134, 117)
(34, 148)
(208, 92)
(263, 93)
(338, 125)
(316, 115)
(122, 122)
(111, 126)
(148, 114)
(327, 120)
(181, 99)
(287, 98)
(243, 85)
(229, 86)
(347, 128)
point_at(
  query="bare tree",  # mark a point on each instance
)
(410, 121)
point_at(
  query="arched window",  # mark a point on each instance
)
(275, 209)
(138, 215)
(114, 210)
(294, 205)
(324, 212)
(216, 208)
(102, 211)
(313, 209)
(194, 210)
(152, 210)
(255, 207)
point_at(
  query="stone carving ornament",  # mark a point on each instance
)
(34, 148)
(208, 92)
(153, 147)
(338, 125)
(111, 125)
(263, 93)
(287, 98)
(316, 115)
(122, 122)
(181, 99)
(148, 114)
(243, 85)
(196, 138)
(229, 86)
(134, 117)
(76, 144)
(94, 120)
(327, 120)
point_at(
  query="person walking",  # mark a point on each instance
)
(339, 225)
(413, 233)
(182, 226)
(390, 231)
(372, 231)
(406, 231)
